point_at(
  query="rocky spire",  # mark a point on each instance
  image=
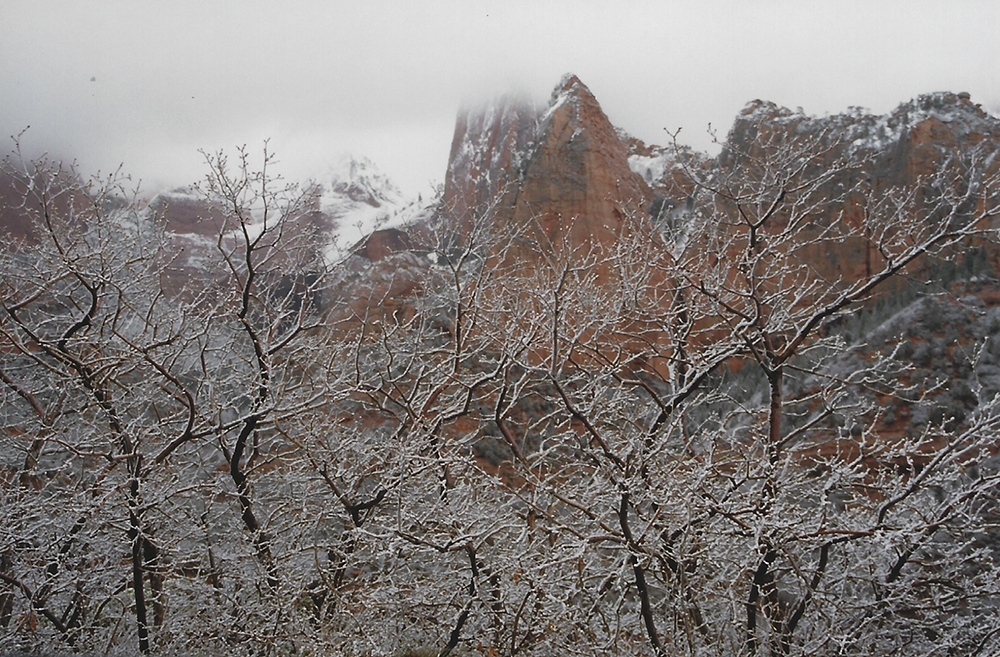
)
(564, 171)
(577, 184)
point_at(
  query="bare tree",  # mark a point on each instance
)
(744, 532)
(81, 369)
(664, 443)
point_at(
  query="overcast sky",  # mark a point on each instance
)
(147, 84)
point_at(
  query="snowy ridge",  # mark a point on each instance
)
(866, 132)
(354, 227)
(359, 199)
(177, 195)
(353, 199)
(652, 168)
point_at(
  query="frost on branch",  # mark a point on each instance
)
(702, 442)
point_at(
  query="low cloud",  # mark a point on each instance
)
(147, 86)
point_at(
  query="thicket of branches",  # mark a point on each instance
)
(653, 446)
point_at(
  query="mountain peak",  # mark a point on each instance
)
(361, 181)
(571, 91)
(568, 82)
(563, 170)
(577, 186)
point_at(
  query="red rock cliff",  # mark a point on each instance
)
(562, 175)
(577, 186)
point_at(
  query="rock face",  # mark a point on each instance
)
(19, 196)
(187, 213)
(383, 243)
(577, 187)
(489, 152)
(562, 175)
(910, 142)
(565, 175)
(15, 226)
(899, 150)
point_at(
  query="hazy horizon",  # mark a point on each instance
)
(146, 86)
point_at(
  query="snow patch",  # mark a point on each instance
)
(867, 133)
(565, 93)
(652, 168)
(360, 200)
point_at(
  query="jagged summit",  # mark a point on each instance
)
(874, 132)
(569, 90)
(356, 199)
(566, 82)
(577, 185)
(909, 142)
(562, 167)
(359, 180)
(945, 106)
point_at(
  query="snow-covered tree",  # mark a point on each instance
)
(665, 444)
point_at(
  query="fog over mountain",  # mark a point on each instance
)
(148, 85)
(596, 394)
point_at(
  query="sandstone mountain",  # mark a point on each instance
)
(567, 174)
(899, 151)
(562, 173)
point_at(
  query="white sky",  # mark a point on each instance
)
(385, 79)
